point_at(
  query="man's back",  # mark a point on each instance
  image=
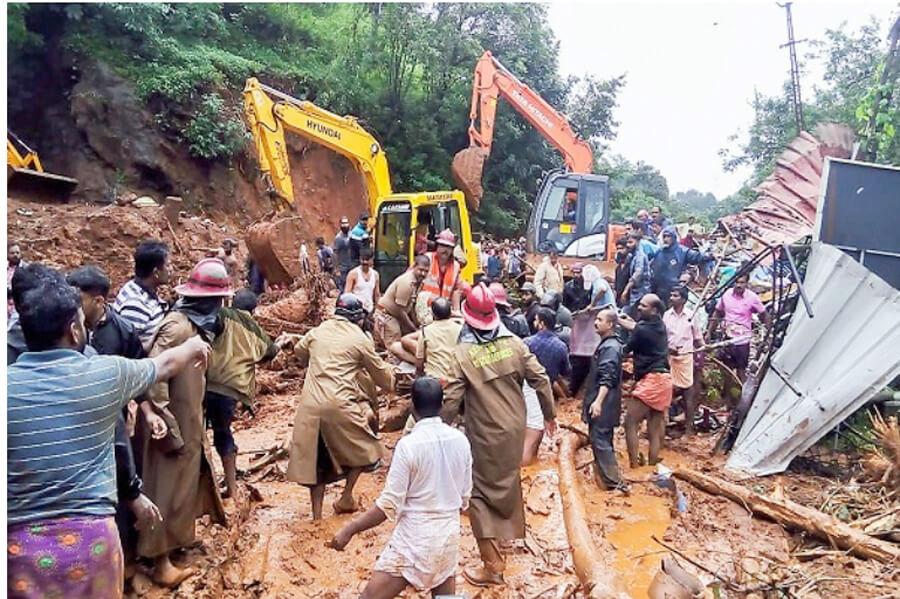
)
(436, 345)
(140, 308)
(431, 472)
(551, 352)
(62, 409)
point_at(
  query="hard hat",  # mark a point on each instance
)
(350, 307)
(563, 318)
(446, 237)
(529, 287)
(577, 267)
(479, 309)
(551, 299)
(208, 279)
(499, 294)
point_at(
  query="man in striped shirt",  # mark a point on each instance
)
(61, 415)
(137, 301)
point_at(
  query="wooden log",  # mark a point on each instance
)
(598, 582)
(798, 517)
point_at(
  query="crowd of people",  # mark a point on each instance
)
(109, 402)
(108, 405)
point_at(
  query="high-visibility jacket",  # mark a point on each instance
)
(440, 288)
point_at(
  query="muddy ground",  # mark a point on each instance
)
(271, 548)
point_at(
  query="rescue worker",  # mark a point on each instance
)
(395, 311)
(231, 376)
(436, 343)
(176, 469)
(443, 275)
(332, 437)
(490, 367)
(638, 276)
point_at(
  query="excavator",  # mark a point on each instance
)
(270, 113)
(571, 211)
(25, 173)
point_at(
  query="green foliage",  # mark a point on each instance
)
(851, 60)
(211, 133)
(405, 70)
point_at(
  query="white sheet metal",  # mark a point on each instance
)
(833, 363)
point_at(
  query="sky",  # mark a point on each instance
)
(692, 68)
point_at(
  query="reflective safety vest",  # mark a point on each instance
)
(443, 288)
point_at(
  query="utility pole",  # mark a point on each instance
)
(795, 69)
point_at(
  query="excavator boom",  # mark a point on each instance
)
(491, 81)
(268, 120)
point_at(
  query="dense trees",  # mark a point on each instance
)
(404, 69)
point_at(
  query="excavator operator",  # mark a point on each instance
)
(570, 214)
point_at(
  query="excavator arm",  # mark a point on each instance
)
(493, 80)
(268, 119)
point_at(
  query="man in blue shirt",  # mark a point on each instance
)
(669, 263)
(359, 237)
(638, 276)
(553, 355)
(61, 415)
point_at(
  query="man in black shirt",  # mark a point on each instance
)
(623, 265)
(530, 304)
(652, 393)
(603, 400)
(575, 296)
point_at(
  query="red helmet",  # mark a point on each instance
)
(208, 279)
(499, 294)
(446, 237)
(479, 309)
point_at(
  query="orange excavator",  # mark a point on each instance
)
(571, 211)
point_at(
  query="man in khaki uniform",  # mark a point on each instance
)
(332, 438)
(489, 367)
(436, 345)
(176, 471)
(395, 311)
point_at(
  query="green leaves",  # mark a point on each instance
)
(212, 132)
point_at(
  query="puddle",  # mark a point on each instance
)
(628, 524)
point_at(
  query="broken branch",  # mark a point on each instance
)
(793, 515)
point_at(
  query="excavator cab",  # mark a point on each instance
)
(571, 215)
(399, 216)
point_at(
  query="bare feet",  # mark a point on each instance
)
(166, 574)
(345, 507)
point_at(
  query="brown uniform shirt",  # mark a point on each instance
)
(488, 378)
(337, 353)
(437, 345)
(180, 484)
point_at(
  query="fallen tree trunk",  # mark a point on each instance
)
(598, 582)
(798, 517)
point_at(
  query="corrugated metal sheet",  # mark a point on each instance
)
(785, 209)
(833, 363)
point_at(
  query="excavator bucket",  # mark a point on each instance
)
(37, 185)
(275, 247)
(467, 168)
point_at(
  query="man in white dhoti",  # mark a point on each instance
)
(428, 484)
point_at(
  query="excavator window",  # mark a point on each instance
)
(593, 197)
(392, 239)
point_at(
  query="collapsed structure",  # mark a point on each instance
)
(839, 349)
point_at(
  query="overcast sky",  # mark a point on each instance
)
(691, 71)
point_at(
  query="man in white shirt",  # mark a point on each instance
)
(428, 484)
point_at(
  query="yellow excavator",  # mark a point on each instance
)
(269, 114)
(24, 173)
